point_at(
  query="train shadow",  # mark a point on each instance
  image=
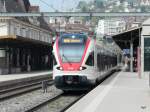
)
(72, 93)
(106, 77)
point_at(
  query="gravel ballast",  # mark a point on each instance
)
(26, 101)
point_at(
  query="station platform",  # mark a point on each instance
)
(23, 76)
(121, 92)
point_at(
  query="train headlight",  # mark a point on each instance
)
(82, 68)
(60, 68)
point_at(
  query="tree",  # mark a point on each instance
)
(99, 3)
(121, 1)
(82, 5)
(143, 9)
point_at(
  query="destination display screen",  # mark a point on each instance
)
(72, 40)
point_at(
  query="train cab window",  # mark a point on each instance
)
(90, 60)
(71, 47)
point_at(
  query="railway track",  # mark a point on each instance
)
(37, 101)
(18, 90)
(59, 103)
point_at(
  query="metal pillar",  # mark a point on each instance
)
(10, 61)
(28, 62)
(149, 79)
(6, 58)
(131, 56)
(23, 59)
(118, 58)
(18, 57)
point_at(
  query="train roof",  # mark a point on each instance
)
(74, 35)
(111, 48)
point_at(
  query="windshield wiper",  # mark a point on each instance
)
(67, 59)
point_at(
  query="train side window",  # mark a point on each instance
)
(90, 60)
(99, 61)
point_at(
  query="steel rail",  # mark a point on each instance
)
(68, 106)
(36, 107)
(12, 92)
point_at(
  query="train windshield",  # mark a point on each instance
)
(71, 47)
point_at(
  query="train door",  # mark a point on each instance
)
(99, 62)
(95, 58)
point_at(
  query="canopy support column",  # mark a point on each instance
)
(131, 56)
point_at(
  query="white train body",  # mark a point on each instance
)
(80, 62)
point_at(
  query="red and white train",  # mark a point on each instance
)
(80, 62)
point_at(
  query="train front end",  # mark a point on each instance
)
(70, 71)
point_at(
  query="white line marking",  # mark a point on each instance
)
(92, 107)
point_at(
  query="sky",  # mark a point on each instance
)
(60, 5)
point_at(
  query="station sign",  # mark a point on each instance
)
(126, 51)
(146, 54)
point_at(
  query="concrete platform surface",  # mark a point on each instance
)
(122, 92)
(4, 78)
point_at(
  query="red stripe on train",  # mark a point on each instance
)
(85, 50)
(57, 50)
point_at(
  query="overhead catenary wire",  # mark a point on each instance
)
(51, 6)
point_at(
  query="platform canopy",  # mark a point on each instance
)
(123, 39)
(18, 41)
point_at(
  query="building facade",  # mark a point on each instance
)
(25, 42)
(70, 25)
(145, 2)
(110, 27)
